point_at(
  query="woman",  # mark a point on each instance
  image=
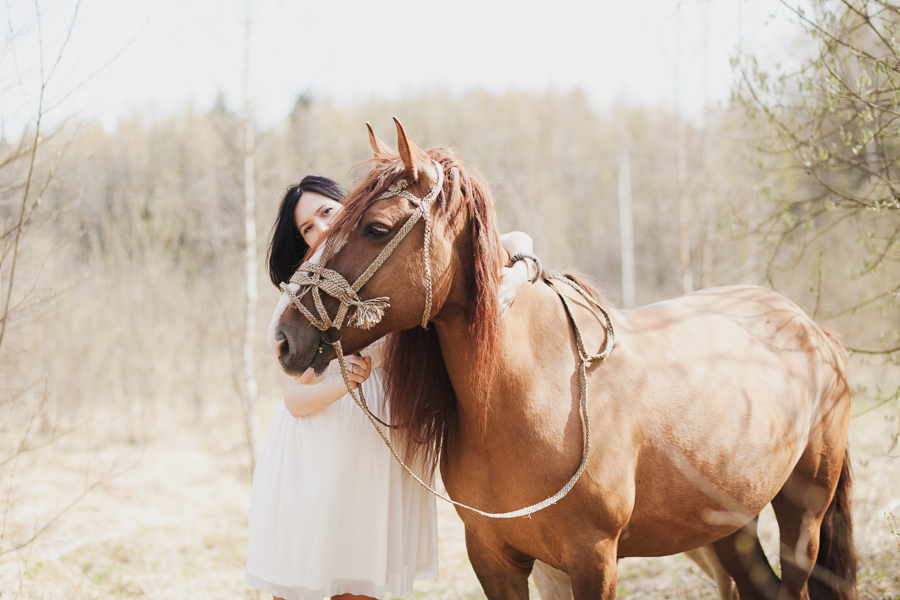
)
(332, 513)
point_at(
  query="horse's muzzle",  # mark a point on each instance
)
(296, 355)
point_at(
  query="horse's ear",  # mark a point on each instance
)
(379, 148)
(413, 159)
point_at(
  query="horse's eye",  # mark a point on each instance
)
(377, 230)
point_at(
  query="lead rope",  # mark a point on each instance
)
(586, 359)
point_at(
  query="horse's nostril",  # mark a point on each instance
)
(282, 348)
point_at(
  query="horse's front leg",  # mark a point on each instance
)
(594, 572)
(501, 574)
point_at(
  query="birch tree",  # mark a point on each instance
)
(250, 255)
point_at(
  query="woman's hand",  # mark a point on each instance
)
(358, 368)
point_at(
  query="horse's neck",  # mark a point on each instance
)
(453, 336)
(535, 334)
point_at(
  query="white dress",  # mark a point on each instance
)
(331, 510)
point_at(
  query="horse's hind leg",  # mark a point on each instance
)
(742, 557)
(706, 559)
(799, 532)
(811, 510)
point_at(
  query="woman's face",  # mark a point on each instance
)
(314, 214)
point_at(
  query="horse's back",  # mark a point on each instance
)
(726, 317)
(734, 347)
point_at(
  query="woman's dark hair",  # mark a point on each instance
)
(286, 246)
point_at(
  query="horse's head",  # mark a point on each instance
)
(415, 240)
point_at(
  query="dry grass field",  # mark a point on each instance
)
(169, 520)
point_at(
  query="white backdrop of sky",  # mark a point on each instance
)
(127, 57)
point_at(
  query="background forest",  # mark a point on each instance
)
(123, 272)
(133, 266)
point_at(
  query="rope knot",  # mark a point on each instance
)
(369, 312)
(314, 277)
(396, 187)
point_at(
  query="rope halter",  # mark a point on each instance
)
(312, 277)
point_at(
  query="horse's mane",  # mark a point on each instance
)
(417, 386)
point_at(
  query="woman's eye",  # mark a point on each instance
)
(377, 230)
(326, 211)
(306, 229)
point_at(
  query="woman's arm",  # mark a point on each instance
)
(302, 397)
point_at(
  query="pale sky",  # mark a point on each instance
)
(155, 57)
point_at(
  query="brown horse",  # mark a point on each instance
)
(710, 407)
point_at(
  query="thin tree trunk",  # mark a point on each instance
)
(684, 224)
(250, 387)
(709, 200)
(626, 227)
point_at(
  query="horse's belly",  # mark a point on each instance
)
(688, 496)
(661, 536)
